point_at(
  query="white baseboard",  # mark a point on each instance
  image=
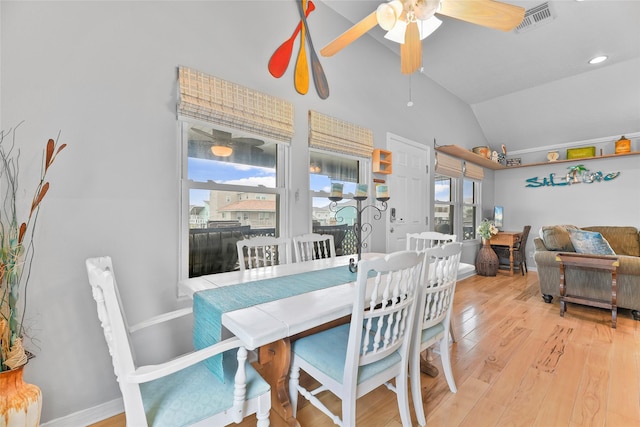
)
(88, 416)
(466, 270)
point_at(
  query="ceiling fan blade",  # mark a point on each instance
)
(351, 35)
(411, 50)
(488, 13)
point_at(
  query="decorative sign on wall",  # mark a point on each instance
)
(575, 175)
(282, 56)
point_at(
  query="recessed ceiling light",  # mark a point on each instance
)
(598, 59)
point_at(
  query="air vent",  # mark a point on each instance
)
(535, 17)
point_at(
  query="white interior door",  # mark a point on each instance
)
(409, 191)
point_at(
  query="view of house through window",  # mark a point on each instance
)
(444, 204)
(325, 169)
(233, 192)
(451, 199)
(469, 208)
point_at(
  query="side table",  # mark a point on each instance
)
(588, 262)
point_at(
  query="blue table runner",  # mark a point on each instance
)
(210, 304)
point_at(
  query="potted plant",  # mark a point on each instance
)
(486, 229)
(17, 224)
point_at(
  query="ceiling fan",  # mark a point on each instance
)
(409, 21)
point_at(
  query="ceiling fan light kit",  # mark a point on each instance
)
(388, 14)
(221, 150)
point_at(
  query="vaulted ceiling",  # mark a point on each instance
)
(535, 87)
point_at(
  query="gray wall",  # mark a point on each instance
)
(614, 202)
(104, 74)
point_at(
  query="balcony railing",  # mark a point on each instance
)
(213, 250)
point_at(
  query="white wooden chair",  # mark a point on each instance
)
(263, 251)
(312, 246)
(433, 318)
(421, 242)
(353, 359)
(428, 239)
(182, 391)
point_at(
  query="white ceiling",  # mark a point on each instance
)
(470, 60)
(479, 64)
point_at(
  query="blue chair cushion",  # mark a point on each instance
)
(194, 393)
(327, 351)
(431, 332)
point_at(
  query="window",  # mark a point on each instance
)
(469, 208)
(246, 185)
(456, 202)
(444, 208)
(325, 169)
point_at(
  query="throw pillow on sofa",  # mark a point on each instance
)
(556, 237)
(590, 242)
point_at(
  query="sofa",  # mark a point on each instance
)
(623, 241)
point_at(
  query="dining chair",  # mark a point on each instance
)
(519, 252)
(181, 391)
(433, 317)
(420, 242)
(262, 251)
(312, 246)
(353, 359)
(427, 239)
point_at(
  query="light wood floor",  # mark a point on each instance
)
(517, 363)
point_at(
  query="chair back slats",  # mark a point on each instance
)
(312, 246)
(157, 394)
(440, 282)
(387, 314)
(428, 239)
(263, 251)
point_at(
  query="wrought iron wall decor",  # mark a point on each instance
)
(575, 175)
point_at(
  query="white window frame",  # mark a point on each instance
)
(282, 183)
(458, 204)
(364, 176)
(477, 204)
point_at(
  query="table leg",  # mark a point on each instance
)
(274, 361)
(511, 260)
(614, 298)
(563, 290)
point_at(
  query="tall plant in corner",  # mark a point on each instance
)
(17, 249)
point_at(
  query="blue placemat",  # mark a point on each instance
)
(210, 304)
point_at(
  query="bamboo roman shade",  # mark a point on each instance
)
(473, 171)
(230, 105)
(449, 166)
(328, 133)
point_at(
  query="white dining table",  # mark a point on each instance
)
(269, 327)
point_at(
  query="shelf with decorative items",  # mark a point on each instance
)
(472, 157)
(382, 161)
(469, 156)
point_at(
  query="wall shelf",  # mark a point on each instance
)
(584, 159)
(382, 161)
(472, 157)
